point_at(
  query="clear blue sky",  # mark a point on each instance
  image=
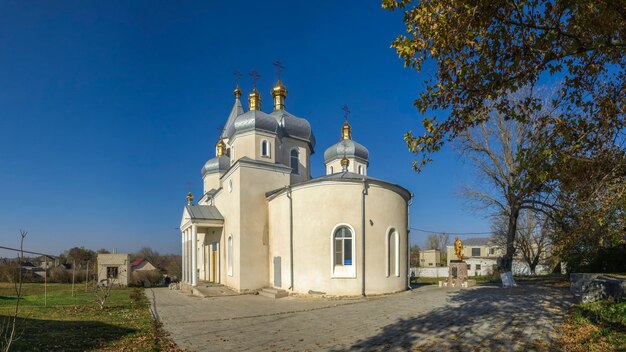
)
(108, 109)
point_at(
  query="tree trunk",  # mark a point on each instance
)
(532, 268)
(507, 260)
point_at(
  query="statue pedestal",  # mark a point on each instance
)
(457, 273)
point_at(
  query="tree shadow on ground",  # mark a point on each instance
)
(483, 318)
(62, 335)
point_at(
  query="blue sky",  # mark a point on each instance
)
(109, 109)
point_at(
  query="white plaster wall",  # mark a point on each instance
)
(317, 209)
(285, 145)
(227, 202)
(352, 167)
(211, 181)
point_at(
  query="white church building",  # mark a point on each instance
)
(263, 221)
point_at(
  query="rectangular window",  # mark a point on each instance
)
(477, 266)
(492, 250)
(338, 251)
(347, 260)
(112, 272)
(469, 266)
(475, 252)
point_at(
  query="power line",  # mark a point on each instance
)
(29, 252)
(465, 233)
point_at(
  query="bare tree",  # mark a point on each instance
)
(151, 255)
(415, 256)
(532, 242)
(8, 327)
(102, 290)
(504, 155)
(533, 239)
(432, 241)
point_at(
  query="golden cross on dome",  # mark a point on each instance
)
(255, 75)
(237, 75)
(346, 112)
(279, 68)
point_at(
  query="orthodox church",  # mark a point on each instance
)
(263, 221)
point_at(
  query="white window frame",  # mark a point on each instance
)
(342, 271)
(229, 255)
(230, 185)
(291, 160)
(331, 170)
(392, 232)
(360, 169)
(268, 151)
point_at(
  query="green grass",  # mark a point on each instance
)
(597, 326)
(76, 323)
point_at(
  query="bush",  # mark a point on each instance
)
(146, 278)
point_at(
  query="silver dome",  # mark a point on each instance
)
(252, 120)
(217, 164)
(346, 147)
(295, 127)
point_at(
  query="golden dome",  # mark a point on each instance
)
(189, 198)
(346, 131)
(254, 100)
(220, 148)
(237, 92)
(345, 162)
(279, 93)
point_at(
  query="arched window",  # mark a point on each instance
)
(343, 246)
(229, 256)
(295, 162)
(332, 171)
(360, 170)
(393, 253)
(265, 148)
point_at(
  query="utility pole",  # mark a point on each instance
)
(45, 284)
(87, 276)
(73, 275)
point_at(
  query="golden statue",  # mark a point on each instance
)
(458, 248)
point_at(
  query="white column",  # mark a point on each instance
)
(188, 279)
(194, 255)
(182, 255)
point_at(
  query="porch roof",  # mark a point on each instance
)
(203, 212)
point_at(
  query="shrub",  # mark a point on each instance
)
(146, 277)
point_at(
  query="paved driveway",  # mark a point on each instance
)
(427, 319)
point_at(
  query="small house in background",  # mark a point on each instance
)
(115, 268)
(142, 264)
(144, 273)
(429, 257)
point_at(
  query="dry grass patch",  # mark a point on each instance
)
(595, 327)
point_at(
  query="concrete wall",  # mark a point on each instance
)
(318, 209)
(441, 271)
(120, 261)
(429, 258)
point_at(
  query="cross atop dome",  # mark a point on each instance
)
(279, 68)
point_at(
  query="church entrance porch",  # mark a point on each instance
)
(202, 231)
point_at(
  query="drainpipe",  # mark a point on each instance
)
(363, 237)
(408, 241)
(290, 237)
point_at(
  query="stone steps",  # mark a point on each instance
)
(273, 292)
